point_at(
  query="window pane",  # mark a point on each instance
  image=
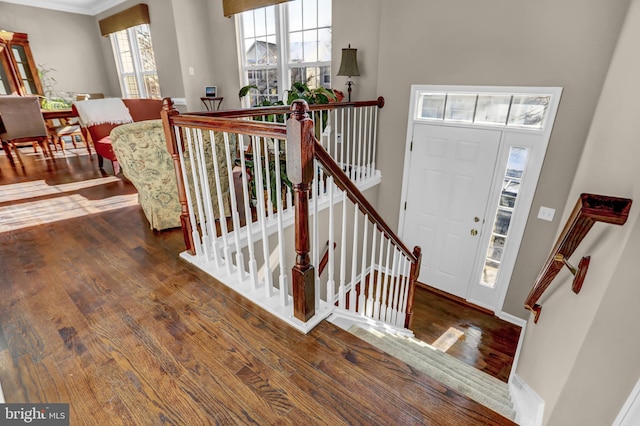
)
(5, 89)
(295, 15)
(309, 14)
(145, 48)
(511, 185)
(152, 86)
(432, 105)
(528, 110)
(260, 22)
(492, 109)
(324, 45)
(296, 50)
(24, 70)
(324, 13)
(310, 46)
(248, 25)
(460, 107)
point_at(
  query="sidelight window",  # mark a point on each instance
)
(508, 197)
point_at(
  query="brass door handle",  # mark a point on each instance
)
(474, 232)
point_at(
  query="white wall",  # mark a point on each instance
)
(582, 356)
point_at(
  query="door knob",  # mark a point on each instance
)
(474, 232)
(476, 219)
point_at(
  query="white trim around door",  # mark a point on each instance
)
(524, 116)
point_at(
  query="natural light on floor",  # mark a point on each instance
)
(66, 205)
(448, 339)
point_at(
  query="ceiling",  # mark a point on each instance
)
(85, 7)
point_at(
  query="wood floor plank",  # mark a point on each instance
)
(100, 312)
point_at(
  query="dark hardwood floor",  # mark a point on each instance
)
(98, 311)
(467, 333)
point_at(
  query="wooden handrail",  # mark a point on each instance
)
(589, 209)
(283, 109)
(231, 125)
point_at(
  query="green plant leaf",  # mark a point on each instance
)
(244, 90)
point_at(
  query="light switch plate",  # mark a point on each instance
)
(546, 213)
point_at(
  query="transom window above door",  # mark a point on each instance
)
(488, 109)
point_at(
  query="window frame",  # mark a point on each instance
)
(138, 73)
(284, 66)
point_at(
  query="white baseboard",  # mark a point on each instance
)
(512, 319)
(527, 403)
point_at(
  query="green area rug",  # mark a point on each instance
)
(453, 373)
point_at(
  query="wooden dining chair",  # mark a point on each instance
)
(23, 122)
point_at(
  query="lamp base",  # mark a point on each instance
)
(349, 84)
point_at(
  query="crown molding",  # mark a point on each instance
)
(83, 7)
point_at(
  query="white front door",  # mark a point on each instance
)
(450, 179)
(473, 152)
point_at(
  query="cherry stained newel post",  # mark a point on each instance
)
(300, 144)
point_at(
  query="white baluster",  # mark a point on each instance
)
(365, 154)
(343, 141)
(253, 265)
(375, 140)
(267, 182)
(195, 235)
(393, 286)
(334, 127)
(402, 312)
(203, 172)
(262, 217)
(385, 284)
(330, 281)
(372, 268)
(376, 305)
(222, 219)
(315, 239)
(363, 269)
(205, 212)
(353, 298)
(235, 215)
(343, 254)
(284, 286)
(354, 148)
(360, 141)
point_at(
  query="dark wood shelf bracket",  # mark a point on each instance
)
(589, 209)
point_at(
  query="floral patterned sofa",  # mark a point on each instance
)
(142, 153)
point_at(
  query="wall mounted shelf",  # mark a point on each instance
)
(589, 209)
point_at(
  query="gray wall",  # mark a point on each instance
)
(582, 355)
(66, 43)
(497, 42)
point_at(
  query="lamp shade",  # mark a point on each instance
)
(349, 64)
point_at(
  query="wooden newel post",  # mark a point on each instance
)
(413, 279)
(300, 173)
(168, 111)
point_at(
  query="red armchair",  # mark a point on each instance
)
(138, 109)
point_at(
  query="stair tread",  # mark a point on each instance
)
(469, 381)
